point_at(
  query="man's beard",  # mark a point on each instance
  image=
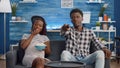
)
(76, 25)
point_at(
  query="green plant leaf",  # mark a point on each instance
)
(14, 8)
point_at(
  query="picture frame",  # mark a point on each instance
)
(66, 3)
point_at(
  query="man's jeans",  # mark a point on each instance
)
(96, 57)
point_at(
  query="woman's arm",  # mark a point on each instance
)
(47, 49)
(25, 42)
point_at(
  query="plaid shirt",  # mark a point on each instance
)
(78, 43)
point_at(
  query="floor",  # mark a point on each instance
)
(2, 63)
(113, 64)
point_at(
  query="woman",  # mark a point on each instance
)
(33, 57)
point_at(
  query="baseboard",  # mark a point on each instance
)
(3, 56)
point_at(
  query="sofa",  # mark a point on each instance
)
(14, 57)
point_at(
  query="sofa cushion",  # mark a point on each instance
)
(56, 48)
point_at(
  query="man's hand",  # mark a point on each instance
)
(65, 27)
(107, 53)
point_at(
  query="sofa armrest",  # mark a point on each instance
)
(11, 59)
(107, 63)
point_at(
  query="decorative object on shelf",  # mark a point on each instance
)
(98, 25)
(109, 18)
(105, 17)
(105, 26)
(100, 18)
(102, 40)
(14, 9)
(111, 27)
(18, 18)
(102, 10)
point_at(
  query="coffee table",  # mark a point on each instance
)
(64, 64)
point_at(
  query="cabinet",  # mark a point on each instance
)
(109, 39)
(108, 34)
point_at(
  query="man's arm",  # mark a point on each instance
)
(107, 52)
(101, 46)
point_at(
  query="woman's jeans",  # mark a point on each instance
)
(97, 57)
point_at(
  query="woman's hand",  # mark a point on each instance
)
(107, 53)
(35, 31)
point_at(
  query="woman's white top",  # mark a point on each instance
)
(31, 52)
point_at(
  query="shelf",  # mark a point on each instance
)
(104, 30)
(101, 30)
(22, 21)
(111, 42)
(95, 1)
(27, 1)
(109, 39)
(106, 21)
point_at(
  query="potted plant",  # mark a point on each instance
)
(98, 25)
(14, 9)
(102, 12)
(102, 40)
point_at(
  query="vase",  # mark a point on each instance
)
(97, 27)
(109, 19)
(100, 18)
(13, 18)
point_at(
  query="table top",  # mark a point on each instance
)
(64, 64)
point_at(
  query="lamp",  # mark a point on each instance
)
(5, 7)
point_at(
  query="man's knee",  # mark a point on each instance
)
(100, 54)
(65, 55)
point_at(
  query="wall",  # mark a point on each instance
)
(54, 15)
(117, 16)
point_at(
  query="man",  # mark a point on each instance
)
(78, 41)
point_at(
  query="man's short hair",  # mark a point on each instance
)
(76, 10)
